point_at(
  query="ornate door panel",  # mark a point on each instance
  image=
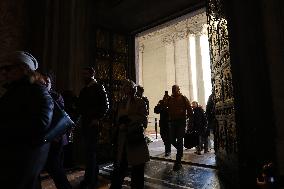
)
(111, 60)
(226, 140)
(111, 56)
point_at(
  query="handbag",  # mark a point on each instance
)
(60, 123)
(191, 139)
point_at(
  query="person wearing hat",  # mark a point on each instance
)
(26, 111)
(131, 148)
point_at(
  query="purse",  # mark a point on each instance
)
(61, 122)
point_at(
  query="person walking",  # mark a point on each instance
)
(180, 113)
(140, 93)
(162, 109)
(211, 119)
(200, 125)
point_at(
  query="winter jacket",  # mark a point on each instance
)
(26, 111)
(130, 137)
(199, 121)
(92, 103)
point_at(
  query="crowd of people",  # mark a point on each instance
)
(27, 114)
(178, 116)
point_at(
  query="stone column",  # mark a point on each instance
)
(169, 44)
(140, 66)
(190, 84)
(175, 62)
(170, 65)
(182, 63)
(199, 72)
(195, 26)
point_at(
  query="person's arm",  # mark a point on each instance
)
(41, 112)
(189, 113)
(188, 108)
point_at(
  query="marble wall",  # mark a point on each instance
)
(163, 59)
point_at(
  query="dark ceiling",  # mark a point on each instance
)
(133, 16)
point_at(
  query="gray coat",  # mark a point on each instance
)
(130, 133)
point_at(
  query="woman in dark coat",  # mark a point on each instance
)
(131, 147)
(200, 125)
(26, 111)
(54, 165)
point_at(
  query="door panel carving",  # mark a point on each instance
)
(226, 140)
(111, 60)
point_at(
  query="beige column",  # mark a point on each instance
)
(175, 62)
(199, 72)
(168, 42)
(181, 64)
(190, 84)
(170, 65)
(140, 65)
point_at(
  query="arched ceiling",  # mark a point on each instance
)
(132, 16)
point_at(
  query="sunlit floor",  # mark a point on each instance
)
(198, 171)
(158, 175)
(157, 150)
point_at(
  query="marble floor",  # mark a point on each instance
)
(156, 149)
(158, 175)
(198, 171)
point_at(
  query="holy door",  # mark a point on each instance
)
(226, 136)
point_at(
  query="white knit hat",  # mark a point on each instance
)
(19, 57)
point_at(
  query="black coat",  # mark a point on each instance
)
(210, 112)
(93, 102)
(26, 112)
(199, 121)
(162, 109)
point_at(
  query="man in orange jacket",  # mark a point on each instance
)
(179, 112)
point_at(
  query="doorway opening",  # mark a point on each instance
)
(176, 52)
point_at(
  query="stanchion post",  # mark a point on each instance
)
(156, 127)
